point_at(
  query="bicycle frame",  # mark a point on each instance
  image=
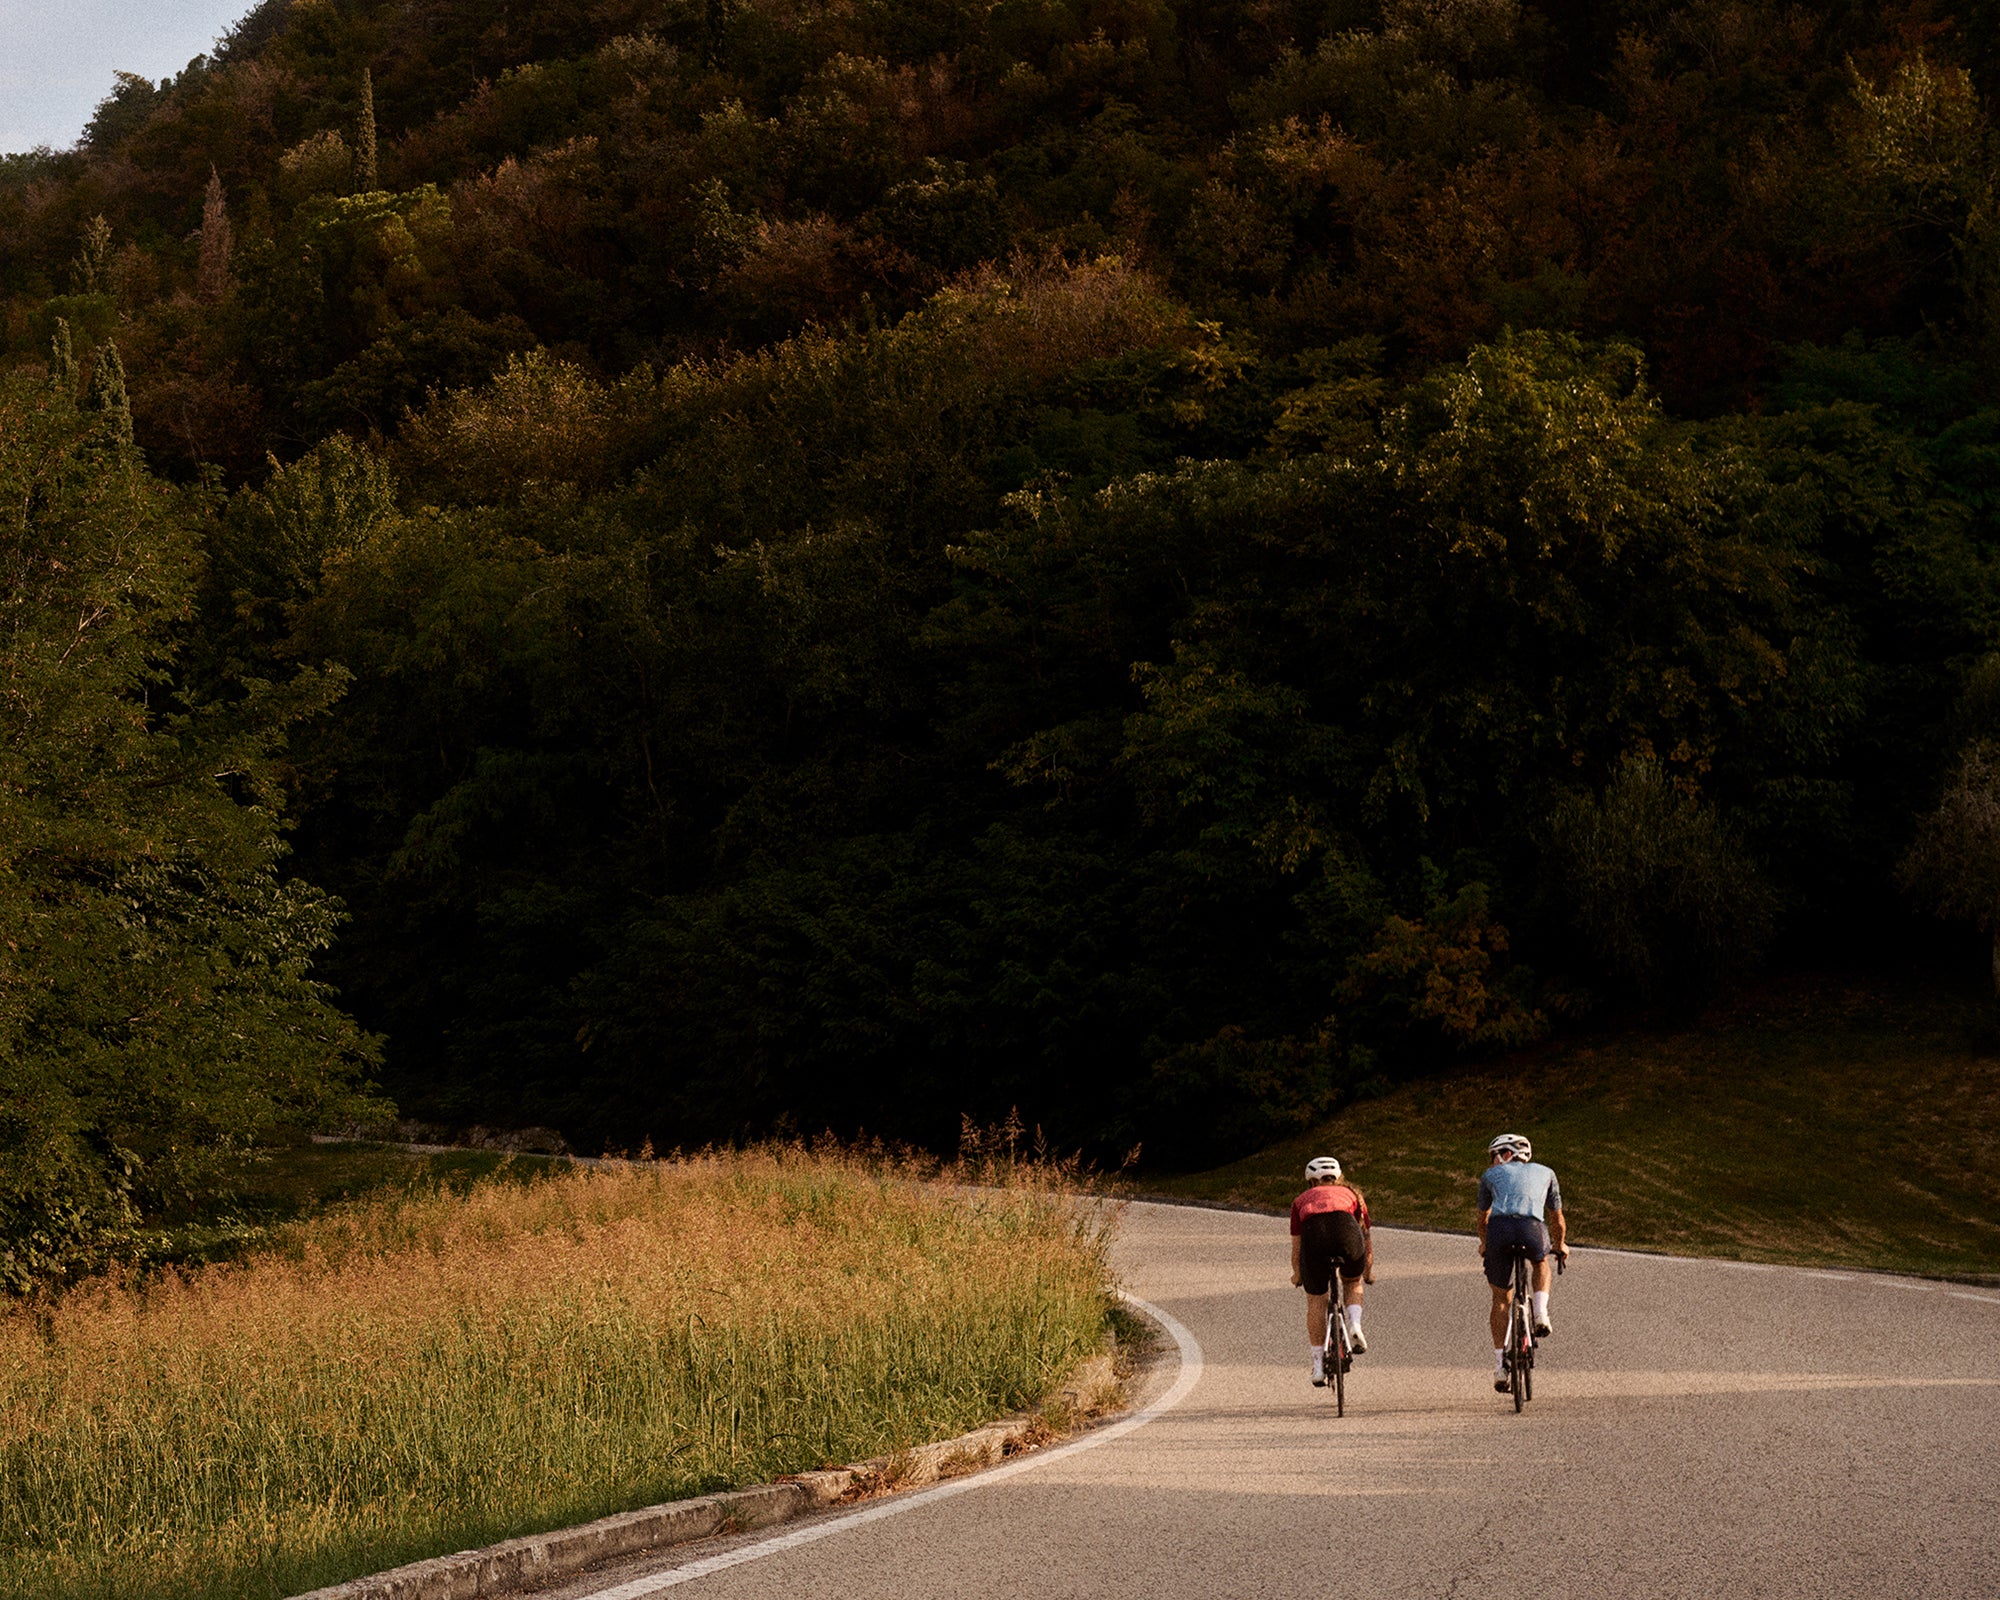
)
(1521, 1341)
(1334, 1353)
(1520, 1356)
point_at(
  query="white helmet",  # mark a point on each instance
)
(1512, 1144)
(1323, 1167)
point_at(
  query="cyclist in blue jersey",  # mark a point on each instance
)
(1515, 1193)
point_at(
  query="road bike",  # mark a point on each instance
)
(1520, 1357)
(1335, 1355)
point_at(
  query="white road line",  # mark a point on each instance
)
(1185, 1380)
(1880, 1280)
(1657, 1257)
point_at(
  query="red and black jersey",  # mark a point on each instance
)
(1324, 1197)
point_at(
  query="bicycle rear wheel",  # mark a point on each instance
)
(1340, 1371)
(1329, 1352)
(1518, 1347)
(1516, 1370)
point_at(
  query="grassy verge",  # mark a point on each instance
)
(413, 1373)
(291, 1183)
(306, 1179)
(1809, 1123)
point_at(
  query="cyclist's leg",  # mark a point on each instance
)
(1347, 1249)
(1350, 1311)
(1318, 1261)
(1502, 1238)
(1545, 1271)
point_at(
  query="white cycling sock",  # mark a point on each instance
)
(1354, 1319)
(1539, 1300)
(1500, 1360)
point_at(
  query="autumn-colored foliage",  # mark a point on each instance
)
(649, 179)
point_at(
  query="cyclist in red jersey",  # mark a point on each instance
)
(1331, 1232)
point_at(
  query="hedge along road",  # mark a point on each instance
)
(1700, 1429)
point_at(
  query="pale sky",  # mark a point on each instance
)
(57, 57)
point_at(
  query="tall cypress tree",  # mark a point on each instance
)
(364, 173)
(218, 239)
(90, 272)
(107, 393)
(62, 361)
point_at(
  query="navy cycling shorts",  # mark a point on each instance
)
(1503, 1234)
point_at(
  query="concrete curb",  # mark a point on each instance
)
(541, 1558)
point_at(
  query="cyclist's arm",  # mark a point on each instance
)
(1482, 1228)
(1298, 1272)
(1558, 1232)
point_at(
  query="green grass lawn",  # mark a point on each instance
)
(299, 1180)
(1808, 1122)
(289, 1183)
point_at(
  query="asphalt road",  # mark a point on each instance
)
(1715, 1431)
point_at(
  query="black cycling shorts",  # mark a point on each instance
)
(1327, 1237)
(1502, 1235)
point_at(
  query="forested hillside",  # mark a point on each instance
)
(1161, 564)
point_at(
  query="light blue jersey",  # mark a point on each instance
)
(1519, 1189)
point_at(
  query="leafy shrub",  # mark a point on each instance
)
(1954, 861)
(1231, 1094)
(1445, 973)
(1668, 902)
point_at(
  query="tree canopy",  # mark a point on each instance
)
(157, 1012)
(1158, 564)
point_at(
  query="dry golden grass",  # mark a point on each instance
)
(412, 1375)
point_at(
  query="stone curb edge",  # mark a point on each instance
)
(541, 1558)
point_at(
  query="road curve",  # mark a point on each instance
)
(1714, 1431)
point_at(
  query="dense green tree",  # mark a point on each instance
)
(365, 162)
(62, 362)
(1411, 652)
(158, 1012)
(1663, 898)
(714, 763)
(1954, 863)
(107, 395)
